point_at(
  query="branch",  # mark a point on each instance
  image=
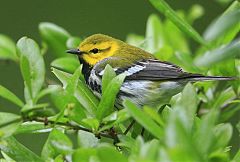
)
(76, 127)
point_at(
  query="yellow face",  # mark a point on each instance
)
(95, 52)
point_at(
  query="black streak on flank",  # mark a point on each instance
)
(95, 87)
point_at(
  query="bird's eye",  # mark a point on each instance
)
(94, 50)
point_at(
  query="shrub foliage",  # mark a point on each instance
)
(193, 127)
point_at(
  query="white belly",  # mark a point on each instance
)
(148, 92)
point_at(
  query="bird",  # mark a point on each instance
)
(148, 81)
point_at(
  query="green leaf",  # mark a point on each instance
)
(178, 138)
(230, 112)
(73, 82)
(154, 34)
(225, 28)
(73, 42)
(50, 89)
(220, 155)
(32, 65)
(223, 98)
(143, 119)
(164, 8)
(55, 37)
(91, 123)
(87, 139)
(236, 157)
(234, 6)
(103, 153)
(188, 105)
(29, 108)
(84, 155)
(136, 40)
(149, 150)
(223, 134)
(77, 113)
(7, 48)
(179, 43)
(221, 54)
(57, 143)
(165, 53)
(26, 74)
(60, 158)
(59, 99)
(44, 48)
(153, 114)
(227, 68)
(8, 124)
(185, 60)
(108, 98)
(114, 119)
(83, 94)
(127, 142)
(115, 115)
(69, 103)
(32, 127)
(108, 75)
(67, 64)
(6, 158)
(62, 76)
(110, 154)
(195, 12)
(206, 125)
(17, 151)
(68, 106)
(5, 93)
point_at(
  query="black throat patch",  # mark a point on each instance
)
(86, 70)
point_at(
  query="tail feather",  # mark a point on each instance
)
(209, 78)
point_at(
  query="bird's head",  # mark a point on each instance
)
(96, 48)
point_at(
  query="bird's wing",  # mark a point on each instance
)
(153, 69)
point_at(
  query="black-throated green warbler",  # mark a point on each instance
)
(148, 81)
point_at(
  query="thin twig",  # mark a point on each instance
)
(74, 127)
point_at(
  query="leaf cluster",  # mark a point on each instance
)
(194, 127)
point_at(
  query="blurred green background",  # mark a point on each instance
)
(80, 18)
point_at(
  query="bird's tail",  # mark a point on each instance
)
(209, 78)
